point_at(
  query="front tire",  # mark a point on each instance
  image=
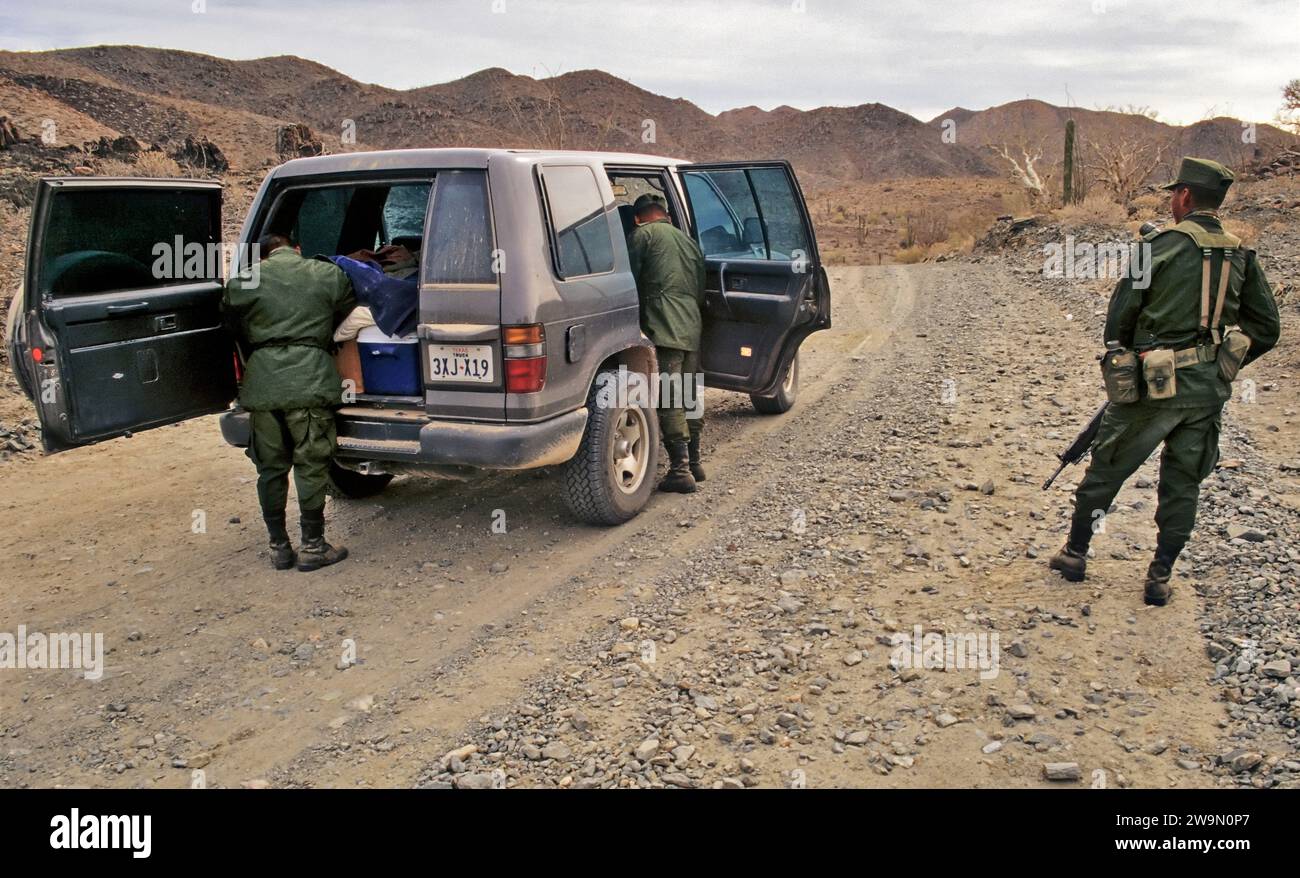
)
(353, 485)
(786, 394)
(612, 476)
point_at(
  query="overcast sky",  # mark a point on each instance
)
(1184, 59)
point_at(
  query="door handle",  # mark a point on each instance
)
(722, 290)
(132, 308)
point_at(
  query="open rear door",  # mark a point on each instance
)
(121, 325)
(765, 288)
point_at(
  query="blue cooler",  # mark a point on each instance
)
(390, 366)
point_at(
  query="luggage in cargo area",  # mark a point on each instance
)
(390, 366)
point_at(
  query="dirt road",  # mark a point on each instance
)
(737, 637)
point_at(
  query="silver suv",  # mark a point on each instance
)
(525, 299)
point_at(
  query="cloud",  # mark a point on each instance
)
(922, 56)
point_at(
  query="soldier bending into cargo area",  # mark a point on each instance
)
(1175, 330)
(669, 271)
(285, 326)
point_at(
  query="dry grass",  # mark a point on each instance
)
(1149, 206)
(864, 224)
(148, 164)
(1018, 203)
(1247, 232)
(909, 255)
(1093, 210)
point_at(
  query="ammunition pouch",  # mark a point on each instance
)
(1232, 353)
(1119, 371)
(1159, 369)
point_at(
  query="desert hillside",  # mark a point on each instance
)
(165, 96)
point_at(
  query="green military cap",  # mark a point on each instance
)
(647, 201)
(1205, 173)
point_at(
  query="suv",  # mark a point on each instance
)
(525, 299)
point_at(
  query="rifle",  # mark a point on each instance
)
(1082, 443)
(1080, 446)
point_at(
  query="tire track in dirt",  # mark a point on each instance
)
(196, 604)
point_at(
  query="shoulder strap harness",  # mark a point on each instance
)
(1208, 242)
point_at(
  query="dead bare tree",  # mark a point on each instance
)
(1289, 115)
(1122, 165)
(1025, 170)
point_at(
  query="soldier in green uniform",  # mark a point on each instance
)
(669, 271)
(1183, 411)
(285, 325)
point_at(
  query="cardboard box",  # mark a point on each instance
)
(348, 361)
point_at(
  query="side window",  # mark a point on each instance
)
(459, 245)
(404, 211)
(782, 215)
(747, 213)
(95, 244)
(716, 227)
(579, 229)
(320, 219)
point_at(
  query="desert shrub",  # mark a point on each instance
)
(909, 255)
(149, 164)
(925, 227)
(1149, 206)
(1095, 209)
(1017, 203)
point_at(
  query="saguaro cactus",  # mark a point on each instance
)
(1067, 171)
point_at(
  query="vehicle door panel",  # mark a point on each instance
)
(765, 289)
(123, 329)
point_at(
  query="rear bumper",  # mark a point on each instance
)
(444, 443)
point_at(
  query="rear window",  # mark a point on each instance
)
(99, 240)
(331, 220)
(579, 230)
(404, 211)
(460, 242)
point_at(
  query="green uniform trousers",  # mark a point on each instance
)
(1129, 434)
(298, 439)
(681, 396)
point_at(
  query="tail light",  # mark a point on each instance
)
(524, 351)
(525, 376)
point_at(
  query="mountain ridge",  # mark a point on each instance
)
(164, 95)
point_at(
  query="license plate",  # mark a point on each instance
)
(461, 362)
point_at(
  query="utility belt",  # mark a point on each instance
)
(287, 343)
(1119, 367)
(1159, 367)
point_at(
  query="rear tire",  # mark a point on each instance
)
(786, 394)
(611, 477)
(354, 485)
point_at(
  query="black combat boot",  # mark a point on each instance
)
(282, 554)
(679, 479)
(1070, 562)
(316, 553)
(697, 470)
(1158, 591)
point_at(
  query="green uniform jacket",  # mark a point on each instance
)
(286, 328)
(1168, 313)
(669, 272)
